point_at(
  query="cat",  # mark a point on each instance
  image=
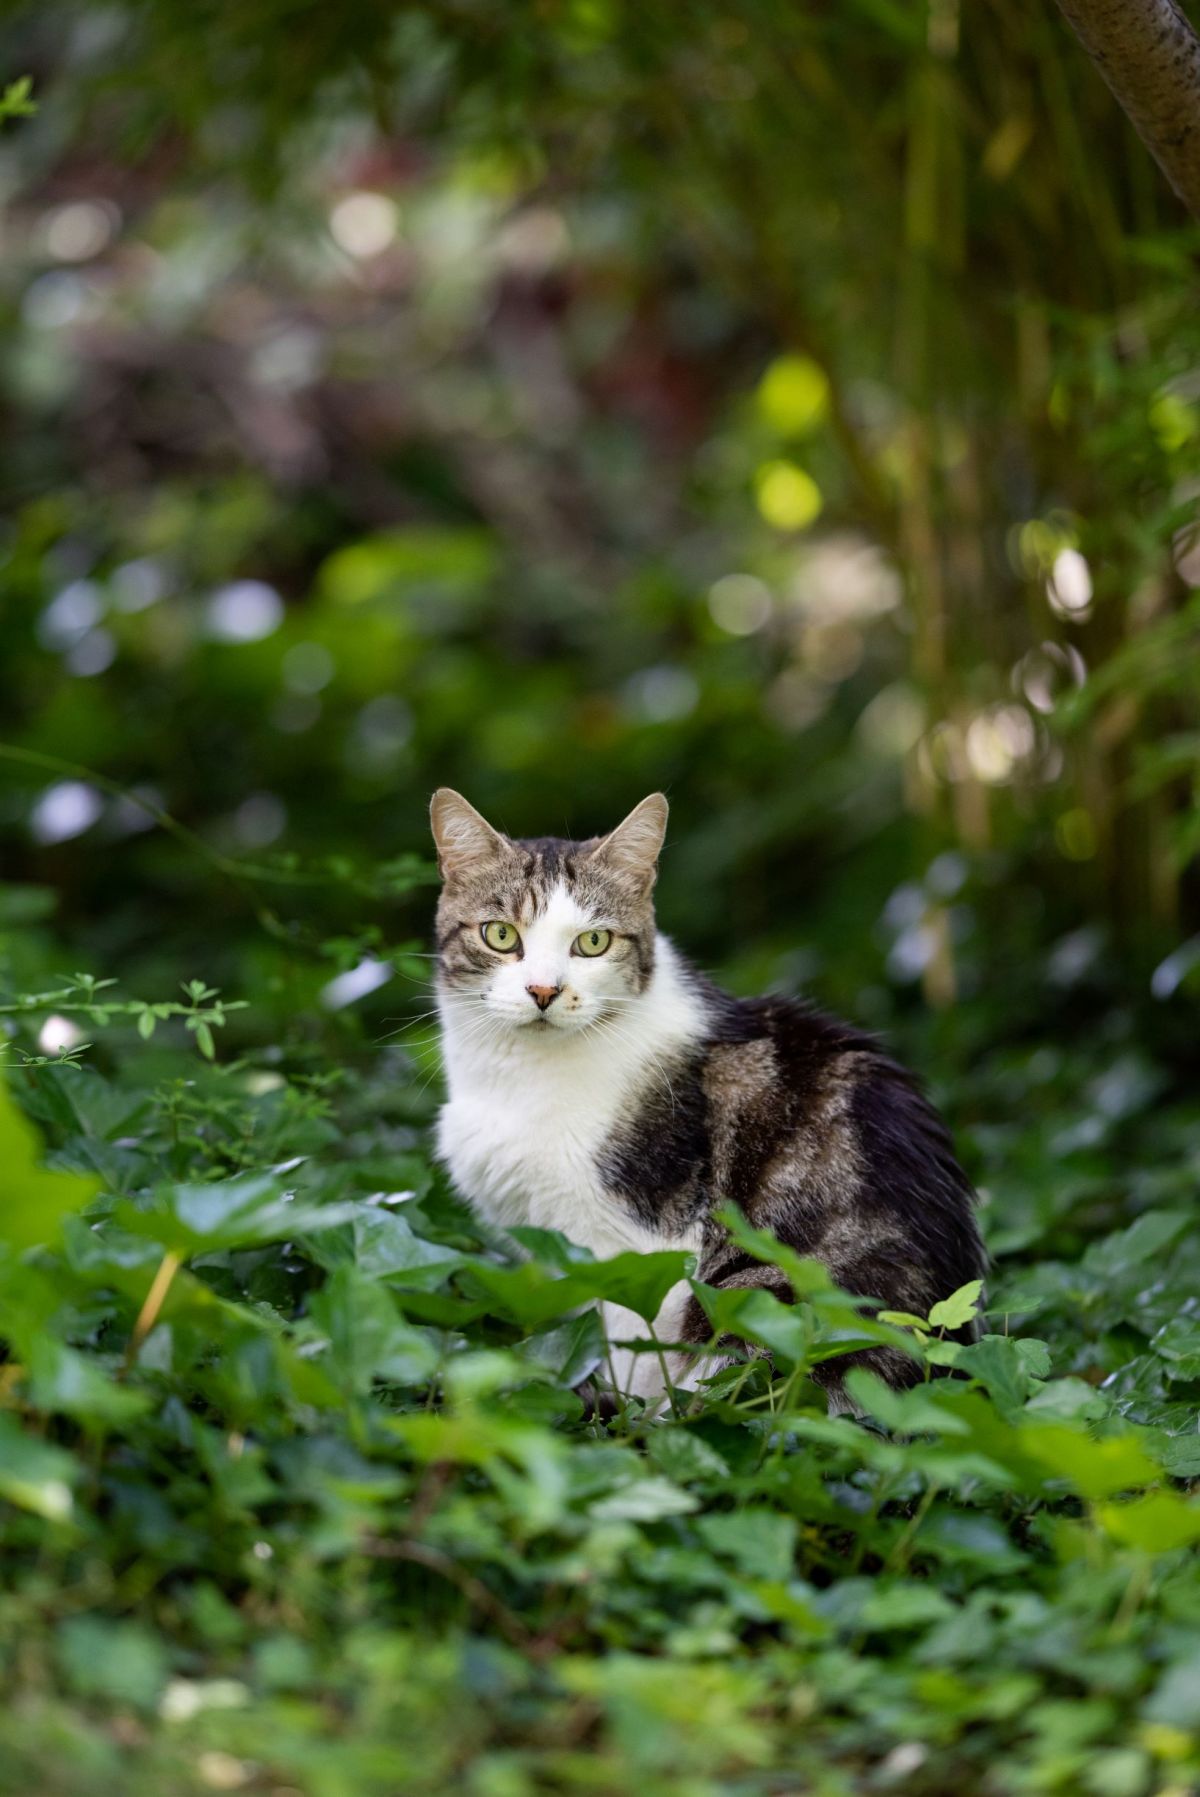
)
(599, 1085)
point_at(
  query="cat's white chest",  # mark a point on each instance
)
(524, 1143)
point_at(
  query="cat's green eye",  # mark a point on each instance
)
(500, 936)
(592, 942)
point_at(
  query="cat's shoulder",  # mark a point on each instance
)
(793, 1034)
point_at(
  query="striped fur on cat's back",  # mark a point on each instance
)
(599, 1085)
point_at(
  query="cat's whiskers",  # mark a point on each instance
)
(477, 1029)
(447, 1001)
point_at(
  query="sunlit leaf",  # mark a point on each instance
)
(33, 1200)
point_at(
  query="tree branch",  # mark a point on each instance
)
(1149, 54)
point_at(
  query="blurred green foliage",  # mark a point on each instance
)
(793, 407)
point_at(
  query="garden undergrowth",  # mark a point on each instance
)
(300, 1494)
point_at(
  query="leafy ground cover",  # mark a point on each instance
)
(299, 1495)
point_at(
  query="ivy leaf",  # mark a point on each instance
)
(1144, 1239)
(760, 1542)
(368, 1337)
(229, 1213)
(572, 1351)
(1006, 1365)
(533, 1295)
(386, 1247)
(959, 1308)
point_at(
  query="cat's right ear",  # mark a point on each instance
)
(463, 837)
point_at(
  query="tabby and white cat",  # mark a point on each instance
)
(599, 1085)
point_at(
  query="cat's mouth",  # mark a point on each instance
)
(541, 1023)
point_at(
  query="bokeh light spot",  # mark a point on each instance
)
(355, 983)
(1069, 588)
(80, 230)
(662, 695)
(1174, 422)
(66, 809)
(92, 653)
(740, 603)
(245, 611)
(892, 723)
(379, 736)
(137, 585)
(997, 740)
(792, 395)
(259, 820)
(788, 498)
(58, 1034)
(363, 224)
(70, 615)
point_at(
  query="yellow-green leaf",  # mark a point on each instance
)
(958, 1308)
(33, 1200)
(1155, 1523)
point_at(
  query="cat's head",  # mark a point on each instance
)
(545, 935)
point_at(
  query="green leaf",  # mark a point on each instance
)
(906, 1606)
(1006, 1365)
(229, 1213)
(531, 1294)
(683, 1453)
(1069, 1400)
(34, 1474)
(911, 1412)
(572, 1351)
(644, 1500)
(959, 1308)
(118, 1661)
(805, 1276)
(1157, 1523)
(1096, 1469)
(760, 1542)
(62, 1379)
(1178, 1344)
(1142, 1241)
(386, 1247)
(368, 1337)
(782, 1328)
(440, 563)
(903, 1319)
(1175, 1701)
(33, 1200)
(16, 101)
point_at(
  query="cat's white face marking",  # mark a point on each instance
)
(587, 988)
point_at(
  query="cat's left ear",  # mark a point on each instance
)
(633, 847)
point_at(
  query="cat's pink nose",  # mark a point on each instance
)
(543, 996)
